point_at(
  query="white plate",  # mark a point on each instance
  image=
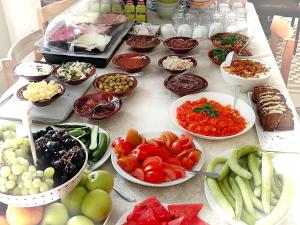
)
(245, 110)
(218, 209)
(123, 218)
(127, 176)
(104, 158)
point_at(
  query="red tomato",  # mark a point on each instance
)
(168, 138)
(155, 176)
(152, 166)
(187, 163)
(184, 153)
(128, 163)
(152, 159)
(179, 171)
(121, 147)
(186, 141)
(195, 156)
(139, 174)
(173, 161)
(176, 147)
(170, 174)
(144, 151)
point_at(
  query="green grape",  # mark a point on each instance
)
(3, 180)
(9, 126)
(32, 169)
(10, 184)
(44, 187)
(3, 189)
(33, 190)
(5, 171)
(9, 134)
(12, 177)
(17, 169)
(17, 191)
(21, 153)
(49, 172)
(24, 191)
(23, 162)
(26, 142)
(19, 140)
(49, 182)
(21, 185)
(27, 176)
(1, 135)
(39, 173)
(13, 161)
(27, 183)
(36, 183)
(9, 154)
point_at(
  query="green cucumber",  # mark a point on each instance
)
(254, 169)
(76, 132)
(238, 198)
(267, 176)
(71, 125)
(246, 195)
(101, 148)
(94, 136)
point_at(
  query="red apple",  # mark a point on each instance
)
(24, 216)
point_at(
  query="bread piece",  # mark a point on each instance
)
(261, 89)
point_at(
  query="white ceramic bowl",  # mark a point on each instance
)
(246, 84)
(165, 10)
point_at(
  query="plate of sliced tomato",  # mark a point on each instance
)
(156, 159)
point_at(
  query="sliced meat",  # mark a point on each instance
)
(67, 33)
(286, 122)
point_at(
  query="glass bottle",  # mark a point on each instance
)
(141, 11)
(130, 10)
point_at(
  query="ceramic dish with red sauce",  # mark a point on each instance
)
(218, 55)
(119, 84)
(98, 105)
(141, 43)
(181, 45)
(131, 62)
(177, 64)
(185, 84)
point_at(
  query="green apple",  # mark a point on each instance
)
(96, 205)
(83, 180)
(74, 199)
(80, 220)
(55, 214)
(100, 179)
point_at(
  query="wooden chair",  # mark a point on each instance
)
(18, 52)
(48, 12)
(282, 30)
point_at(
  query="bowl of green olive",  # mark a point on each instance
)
(119, 84)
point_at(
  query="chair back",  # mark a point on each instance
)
(282, 30)
(48, 12)
(18, 52)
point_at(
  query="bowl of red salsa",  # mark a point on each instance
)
(131, 62)
(85, 105)
(141, 43)
(181, 45)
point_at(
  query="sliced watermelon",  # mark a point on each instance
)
(198, 221)
(150, 202)
(162, 213)
(147, 218)
(189, 211)
(178, 221)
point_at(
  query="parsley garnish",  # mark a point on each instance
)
(207, 108)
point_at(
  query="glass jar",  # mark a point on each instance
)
(178, 19)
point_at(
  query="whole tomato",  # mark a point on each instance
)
(168, 138)
(128, 163)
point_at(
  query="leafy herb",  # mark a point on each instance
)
(207, 108)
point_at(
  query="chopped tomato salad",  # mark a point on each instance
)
(210, 118)
(162, 159)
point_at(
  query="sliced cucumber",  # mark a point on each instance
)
(94, 138)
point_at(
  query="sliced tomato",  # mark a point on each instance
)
(152, 159)
(144, 151)
(155, 176)
(128, 163)
(179, 171)
(176, 147)
(139, 174)
(184, 153)
(151, 167)
(195, 156)
(186, 141)
(173, 161)
(168, 138)
(187, 163)
(121, 147)
(170, 174)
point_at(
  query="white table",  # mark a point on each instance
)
(147, 108)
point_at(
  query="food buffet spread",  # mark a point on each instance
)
(182, 148)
